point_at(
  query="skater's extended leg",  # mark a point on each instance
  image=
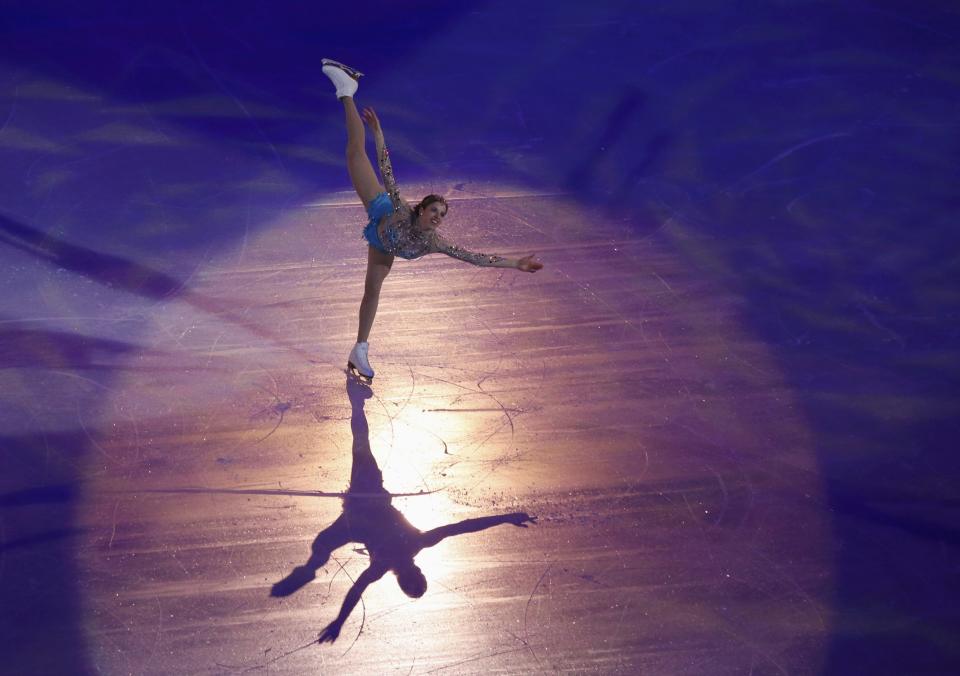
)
(333, 537)
(378, 267)
(362, 174)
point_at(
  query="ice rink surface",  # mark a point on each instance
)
(729, 398)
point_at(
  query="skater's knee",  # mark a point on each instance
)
(372, 286)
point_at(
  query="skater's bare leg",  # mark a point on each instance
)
(378, 267)
(362, 175)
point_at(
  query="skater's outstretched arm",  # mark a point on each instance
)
(371, 574)
(383, 158)
(526, 264)
(432, 537)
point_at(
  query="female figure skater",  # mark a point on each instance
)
(395, 228)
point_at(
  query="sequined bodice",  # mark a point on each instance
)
(400, 235)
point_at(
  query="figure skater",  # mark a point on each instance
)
(369, 518)
(395, 228)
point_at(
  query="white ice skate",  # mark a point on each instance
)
(344, 77)
(357, 362)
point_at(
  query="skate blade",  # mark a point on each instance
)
(362, 377)
(352, 72)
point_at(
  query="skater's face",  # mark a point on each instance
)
(432, 216)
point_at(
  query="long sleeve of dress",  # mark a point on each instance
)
(389, 182)
(441, 245)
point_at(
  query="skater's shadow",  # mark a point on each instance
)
(41, 348)
(369, 518)
(103, 268)
(122, 274)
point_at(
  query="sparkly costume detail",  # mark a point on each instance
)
(400, 235)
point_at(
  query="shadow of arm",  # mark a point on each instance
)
(371, 574)
(432, 537)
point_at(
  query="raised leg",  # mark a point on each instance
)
(362, 174)
(378, 267)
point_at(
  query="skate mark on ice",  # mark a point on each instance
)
(226, 90)
(472, 410)
(113, 528)
(776, 572)
(279, 408)
(736, 186)
(526, 610)
(872, 318)
(273, 492)
(475, 658)
(726, 497)
(246, 669)
(479, 390)
(363, 610)
(90, 438)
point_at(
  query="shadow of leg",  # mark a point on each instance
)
(298, 577)
(329, 539)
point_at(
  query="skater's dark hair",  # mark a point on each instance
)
(427, 201)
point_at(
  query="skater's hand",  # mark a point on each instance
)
(521, 519)
(372, 121)
(330, 634)
(528, 264)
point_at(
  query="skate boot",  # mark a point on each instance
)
(358, 364)
(344, 78)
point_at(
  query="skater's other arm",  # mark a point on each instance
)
(432, 537)
(383, 157)
(371, 574)
(526, 264)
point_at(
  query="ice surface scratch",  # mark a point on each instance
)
(89, 436)
(758, 650)
(13, 108)
(479, 390)
(226, 90)
(789, 579)
(113, 529)
(503, 408)
(472, 410)
(787, 153)
(363, 609)
(476, 658)
(246, 234)
(3, 550)
(213, 349)
(526, 610)
(876, 323)
(279, 408)
(244, 670)
(156, 639)
(586, 289)
(663, 281)
(726, 497)
(698, 521)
